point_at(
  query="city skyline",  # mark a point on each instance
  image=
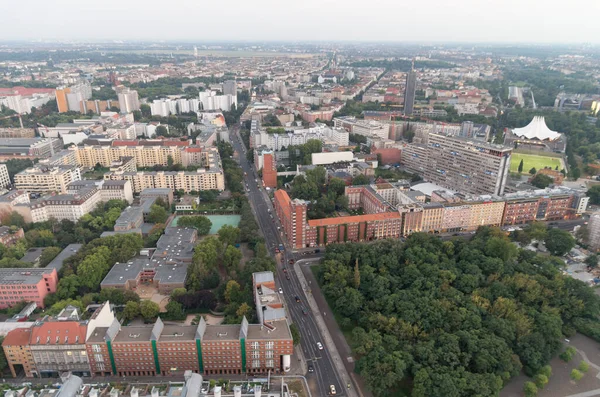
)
(507, 22)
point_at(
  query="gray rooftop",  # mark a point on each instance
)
(33, 255)
(222, 332)
(129, 215)
(280, 330)
(263, 277)
(165, 272)
(68, 252)
(134, 334)
(22, 275)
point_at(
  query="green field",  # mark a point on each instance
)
(534, 161)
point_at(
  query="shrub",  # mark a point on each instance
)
(584, 366)
(530, 389)
(568, 354)
(540, 380)
(546, 370)
(576, 375)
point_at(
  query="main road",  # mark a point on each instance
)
(325, 374)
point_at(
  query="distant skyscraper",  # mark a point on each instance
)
(409, 93)
(230, 87)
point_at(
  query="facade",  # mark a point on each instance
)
(72, 98)
(279, 141)
(128, 99)
(26, 284)
(409, 93)
(4, 177)
(269, 170)
(10, 235)
(43, 179)
(594, 229)
(202, 179)
(459, 164)
(31, 147)
(18, 352)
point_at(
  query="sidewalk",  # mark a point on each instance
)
(337, 359)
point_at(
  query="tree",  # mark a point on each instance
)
(575, 173)
(48, 255)
(592, 261)
(520, 169)
(68, 286)
(207, 252)
(361, 180)
(93, 268)
(201, 223)
(232, 291)
(243, 310)
(296, 337)
(3, 361)
(540, 380)
(170, 161)
(175, 311)
(594, 194)
(530, 389)
(131, 311)
(228, 235)
(16, 219)
(583, 366)
(232, 257)
(337, 185)
(149, 310)
(60, 305)
(542, 181)
(559, 242)
(533, 171)
(161, 130)
(157, 214)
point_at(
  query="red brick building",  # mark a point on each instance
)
(269, 170)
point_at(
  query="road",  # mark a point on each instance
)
(325, 372)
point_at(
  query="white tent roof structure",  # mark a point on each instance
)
(536, 129)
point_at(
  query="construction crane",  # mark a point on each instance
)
(14, 115)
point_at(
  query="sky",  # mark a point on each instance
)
(506, 21)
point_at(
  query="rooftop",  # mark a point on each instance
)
(134, 334)
(33, 255)
(353, 219)
(17, 276)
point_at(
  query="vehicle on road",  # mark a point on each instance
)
(297, 299)
(280, 290)
(287, 276)
(320, 345)
(285, 269)
(311, 369)
(291, 261)
(332, 390)
(304, 312)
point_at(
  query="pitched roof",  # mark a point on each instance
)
(17, 337)
(58, 333)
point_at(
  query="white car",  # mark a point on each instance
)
(280, 290)
(320, 345)
(332, 389)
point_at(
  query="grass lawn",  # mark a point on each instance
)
(534, 161)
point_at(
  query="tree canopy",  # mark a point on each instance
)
(457, 318)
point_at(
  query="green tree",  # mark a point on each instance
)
(243, 310)
(533, 171)
(542, 181)
(93, 268)
(149, 310)
(546, 370)
(594, 194)
(207, 252)
(157, 214)
(232, 257)
(520, 169)
(361, 180)
(540, 380)
(48, 255)
(201, 223)
(131, 311)
(232, 291)
(68, 286)
(175, 311)
(296, 337)
(592, 261)
(338, 186)
(530, 389)
(575, 173)
(60, 305)
(583, 366)
(559, 242)
(228, 235)
(161, 130)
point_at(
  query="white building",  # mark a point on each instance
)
(4, 177)
(211, 101)
(42, 179)
(331, 157)
(129, 100)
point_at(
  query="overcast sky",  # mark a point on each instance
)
(370, 20)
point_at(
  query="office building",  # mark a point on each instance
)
(72, 98)
(42, 179)
(409, 91)
(128, 99)
(459, 164)
(26, 284)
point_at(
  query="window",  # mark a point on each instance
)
(255, 363)
(270, 364)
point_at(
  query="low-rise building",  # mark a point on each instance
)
(10, 235)
(26, 284)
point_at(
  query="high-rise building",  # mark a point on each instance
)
(128, 99)
(230, 87)
(4, 177)
(73, 98)
(594, 229)
(460, 164)
(44, 179)
(409, 92)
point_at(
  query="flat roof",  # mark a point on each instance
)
(222, 332)
(177, 333)
(164, 271)
(33, 254)
(354, 219)
(68, 252)
(134, 334)
(281, 331)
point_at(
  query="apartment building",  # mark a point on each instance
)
(10, 235)
(368, 128)
(43, 179)
(279, 141)
(292, 214)
(4, 177)
(128, 99)
(188, 181)
(18, 352)
(460, 164)
(71, 98)
(265, 160)
(594, 229)
(26, 284)
(17, 132)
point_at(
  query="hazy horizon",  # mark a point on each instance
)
(472, 22)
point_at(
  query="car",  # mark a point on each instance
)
(287, 276)
(311, 368)
(285, 269)
(291, 261)
(320, 345)
(317, 251)
(280, 290)
(304, 312)
(297, 299)
(332, 390)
